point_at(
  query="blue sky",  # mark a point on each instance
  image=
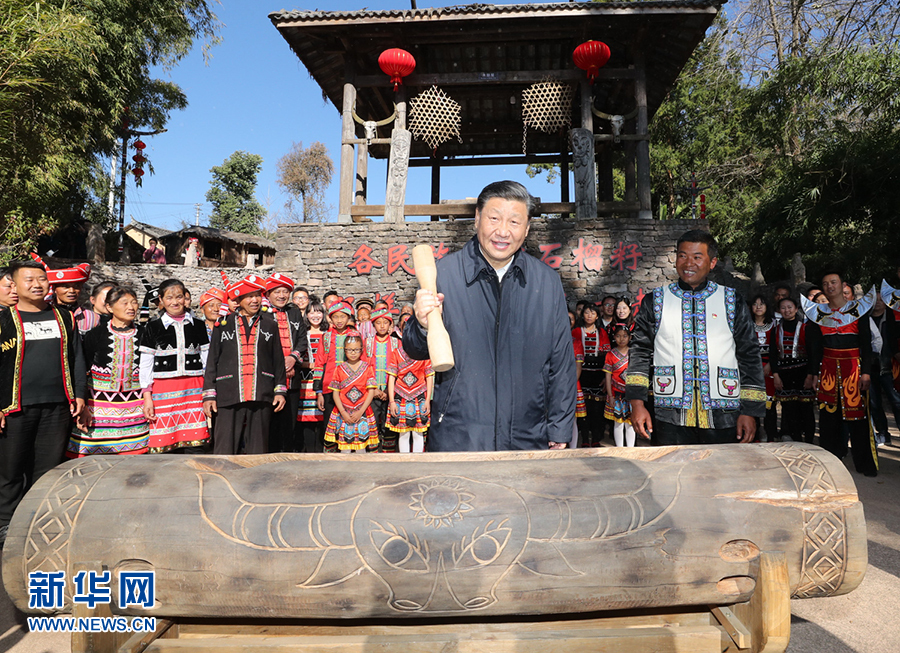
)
(255, 95)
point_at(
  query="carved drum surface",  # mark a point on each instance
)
(330, 536)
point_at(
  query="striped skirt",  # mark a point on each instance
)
(307, 410)
(352, 437)
(411, 417)
(117, 425)
(180, 422)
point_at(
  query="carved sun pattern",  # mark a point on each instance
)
(440, 502)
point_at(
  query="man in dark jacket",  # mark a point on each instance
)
(513, 386)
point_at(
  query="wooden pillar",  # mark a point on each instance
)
(398, 167)
(587, 99)
(605, 170)
(643, 146)
(630, 175)
(362, 174)
(435, 184)
(348, 132)
(585, 174)
(400, 97)
(564, 178)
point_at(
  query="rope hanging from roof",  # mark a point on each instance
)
(434, 117)
(547, 106)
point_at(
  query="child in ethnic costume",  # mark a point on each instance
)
(174, 347)
(331, 355)
(617, 408)
(410, 385)
(245, 375)
(594, 343)
(292, 335)
(379, 349)
(113, 420)
(352, 423)
(309, 417)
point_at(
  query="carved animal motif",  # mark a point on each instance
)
(616, 122)
(442, 527)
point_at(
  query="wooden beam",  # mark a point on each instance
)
(669, 639)
(511, 77)
(487, 161)
(467, 209)
(609, 138)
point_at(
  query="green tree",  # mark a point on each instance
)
(305, 173)
(232, 192)
(69, 69)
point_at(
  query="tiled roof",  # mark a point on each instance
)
(429, 13)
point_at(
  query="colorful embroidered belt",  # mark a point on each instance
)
(839, 383)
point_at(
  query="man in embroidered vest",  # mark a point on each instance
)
(694, 344)
(839, 342)
(245, 373)
(42, 386)
(292, 336)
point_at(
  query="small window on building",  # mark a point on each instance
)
(212, 249)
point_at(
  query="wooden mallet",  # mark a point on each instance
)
(439, 348)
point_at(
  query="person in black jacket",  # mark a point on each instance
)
(42, 386)
(513, 386)
(245, 373)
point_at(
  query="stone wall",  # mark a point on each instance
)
(615, 256)
(594, 258)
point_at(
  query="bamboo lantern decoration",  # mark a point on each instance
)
(591, 56)
(397, 63)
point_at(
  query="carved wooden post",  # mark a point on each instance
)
(348, 132)
(643, 146)
(362, 174)
(585, 175)
(398, 167)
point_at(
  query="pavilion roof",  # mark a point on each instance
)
(484, 56)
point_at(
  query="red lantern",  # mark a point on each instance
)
(591, 56)
(397, 63)
(139, 158)
(139, 144)
(138, 172)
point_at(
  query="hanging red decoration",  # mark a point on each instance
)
(397, 63)
(591, 56)
(139, 161)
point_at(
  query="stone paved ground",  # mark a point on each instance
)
(863, 621)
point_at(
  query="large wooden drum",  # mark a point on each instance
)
(397, 536)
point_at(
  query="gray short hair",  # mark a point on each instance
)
(507, 190)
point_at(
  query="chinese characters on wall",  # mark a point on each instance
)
(587, 255)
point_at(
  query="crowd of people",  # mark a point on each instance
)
(263, 365)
